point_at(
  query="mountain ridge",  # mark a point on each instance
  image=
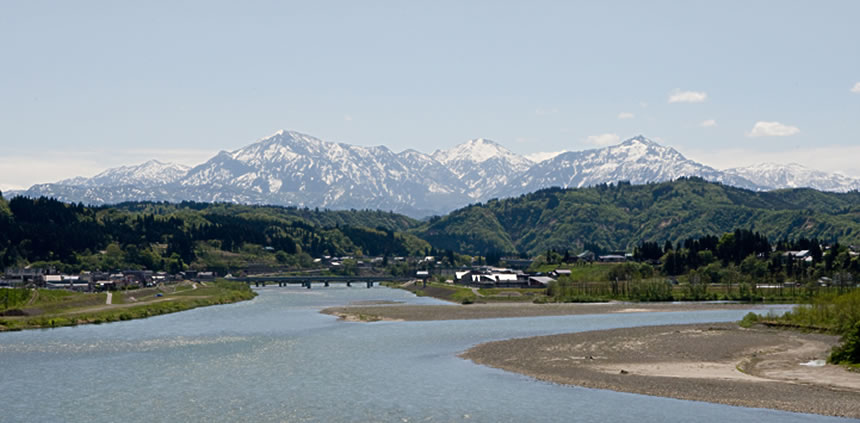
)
(294, 169)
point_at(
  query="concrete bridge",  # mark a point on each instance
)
(307, 281)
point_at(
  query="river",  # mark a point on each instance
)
(276, 358)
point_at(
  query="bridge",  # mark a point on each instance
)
(307, 281)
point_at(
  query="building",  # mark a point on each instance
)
(560, 272)
(612, 258)
(540, 281)
(586, 256)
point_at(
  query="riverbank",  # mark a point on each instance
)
(503, 310)
(48, 309)
(719, 363)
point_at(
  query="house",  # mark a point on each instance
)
(53, 279)
(19, 276)
(206, 276)
(140, 277)
(540, 281)
(120, 281)
(492, 277)
(612, 258)
(585, 256)
(802, 255)
(560, 272)
(462, 276)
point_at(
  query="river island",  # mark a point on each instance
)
(723, 363)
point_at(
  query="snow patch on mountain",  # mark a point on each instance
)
(543, 156)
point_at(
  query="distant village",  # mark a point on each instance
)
(513, 275)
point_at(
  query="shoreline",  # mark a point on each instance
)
(412, 312)
(73, 314)
(718, 363)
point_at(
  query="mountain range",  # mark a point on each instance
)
(294, 169)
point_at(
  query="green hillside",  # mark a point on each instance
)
(620, 216)
(173, 237)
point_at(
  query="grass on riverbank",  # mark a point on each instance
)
(837, 314)
(442, 291)
(50, 309)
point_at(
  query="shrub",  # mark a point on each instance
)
(849, 351)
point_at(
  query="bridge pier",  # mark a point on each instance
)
(308, 285)
(348, 283)
(326, 284)
(257, 284)
(370, 284)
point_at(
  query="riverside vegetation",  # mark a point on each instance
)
(22, 308)
(836, 314)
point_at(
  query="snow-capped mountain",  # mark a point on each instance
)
(793, 175)
(291, 168)
(147, 174)
(482, 165)
(637, 160)
(543, 155)
(294, 169)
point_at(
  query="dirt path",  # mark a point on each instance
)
(33, 297)
(109, 298)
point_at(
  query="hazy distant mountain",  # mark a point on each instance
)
(290, 168)
(793, 175)
(637, 160)
(147, 174)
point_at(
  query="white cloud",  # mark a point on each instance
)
(626, 115)
(856, 88)
(708, 123)
(603, 140)
(772, 129)
(541, 156)
(347, 118)
(679, 96)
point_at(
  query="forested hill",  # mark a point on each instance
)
(620, 216)
(221, 237)
(224, 237)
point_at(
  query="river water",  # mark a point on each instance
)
(276, 358)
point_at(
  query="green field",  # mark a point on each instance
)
(42, 308)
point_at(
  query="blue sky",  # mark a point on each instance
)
(89, 85)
